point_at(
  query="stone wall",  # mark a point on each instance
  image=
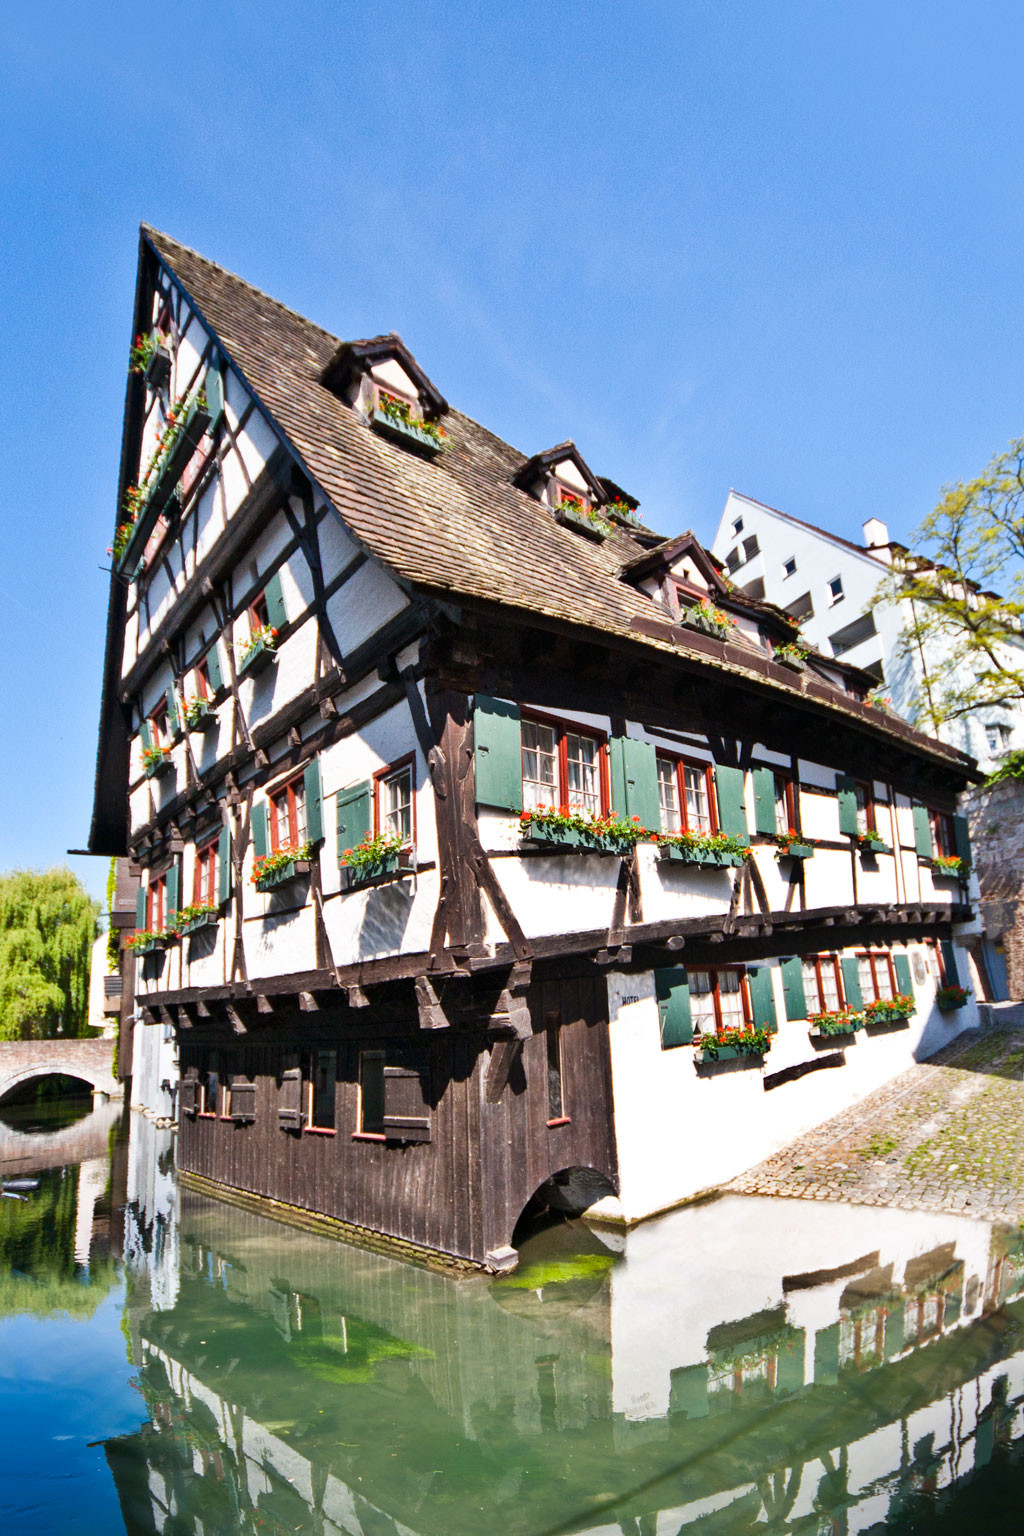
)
(996, 818)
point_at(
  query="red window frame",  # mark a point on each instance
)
(562, 729)
(156, 903)
(554, 1066)
(876, 957)
(792, 799)
(258, 613)
(866, 787)
(943, 839)
(565, 492)
(158, 728)
(392, 392)
(202, 680)
(837, 971)
(204, 878)
(285, 796)
(716, 972)
(708, 770)
(310, 1087)
(400, 765)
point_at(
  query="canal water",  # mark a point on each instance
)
(173, 1364)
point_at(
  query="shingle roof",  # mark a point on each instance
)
(455, 525)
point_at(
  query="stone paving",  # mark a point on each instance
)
(946, 1136)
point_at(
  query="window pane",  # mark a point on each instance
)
(702, 1002)
(829, 984)
(812, 991)
(540, 764)
(861, 791)
(323, 1071)
(698, 810)
(781, 805)
(866, 977)
(298, 812)
(554, 1047)
(883, 979)
(583, 790)
(371, 1095)
(730, 995)
(668, 796)
(397, 798)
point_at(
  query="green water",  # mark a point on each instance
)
(745, 1366)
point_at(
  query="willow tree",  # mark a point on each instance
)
(962, 596)
(48, 923)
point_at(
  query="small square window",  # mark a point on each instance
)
(997, 737)
(835, 588)
(737, 527)
(789, 566)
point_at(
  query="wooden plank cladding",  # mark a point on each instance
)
(451, 1171)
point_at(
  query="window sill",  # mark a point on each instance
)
(368, 1136)
(204, 1114)
(318, 1130)
(562, 1120)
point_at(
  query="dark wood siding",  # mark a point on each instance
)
(462, 1191)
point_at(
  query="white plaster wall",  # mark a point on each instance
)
(154, 1061)
(680, 1132)
(98, 968)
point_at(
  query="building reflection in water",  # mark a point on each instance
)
(747, 1364)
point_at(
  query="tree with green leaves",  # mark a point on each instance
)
(967, 635)
(48, 924)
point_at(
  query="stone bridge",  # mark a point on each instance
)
(91, 1061)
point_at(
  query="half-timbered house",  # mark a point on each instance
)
(491, 842)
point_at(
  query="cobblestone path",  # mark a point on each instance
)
(946, 1136)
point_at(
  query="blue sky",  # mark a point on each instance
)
(770, 246)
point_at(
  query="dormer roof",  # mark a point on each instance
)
(354, 358)
(666, 554)
(529, 474)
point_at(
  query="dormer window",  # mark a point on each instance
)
(562, 480)
(381, 379)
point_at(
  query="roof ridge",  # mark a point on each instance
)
(801, 522)
(154, 235)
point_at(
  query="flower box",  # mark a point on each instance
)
(754, 1043)
(948, 999)
(726, 1053)
(199, 922)
(866, 845)
(284, 874)
(849, 1027)
(155, 766)
(715, 858)
(158, 369)
(594, 526)
(406, 430)
(895, 1011)
(694, 618)
(397, 861)
(186, 441)
(152, 943)
(200, 715)
(949, 868)
(573, 839)
(257, 657)
(796, 851)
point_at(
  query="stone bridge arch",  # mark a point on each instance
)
(91, 1061)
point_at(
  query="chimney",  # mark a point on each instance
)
(875, 532)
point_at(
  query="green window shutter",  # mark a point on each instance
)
(846, 791)
(672, 989)
(173, 889)
(922, 832)
(851, 982)
(214, 390)
(173, 718)
(762, 996)
(793, 988)
(498, 741)
(949, 963)
(214, 669)
(275, 601)
(764, 800)
(314, 802)
(260, 830)
(904, 985)
(146, 733)
(224, 865)
(355, 815)
(140, 907)
(962, 838)
(635, 781)
(732, 810)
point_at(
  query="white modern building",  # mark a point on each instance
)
(829, 584)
